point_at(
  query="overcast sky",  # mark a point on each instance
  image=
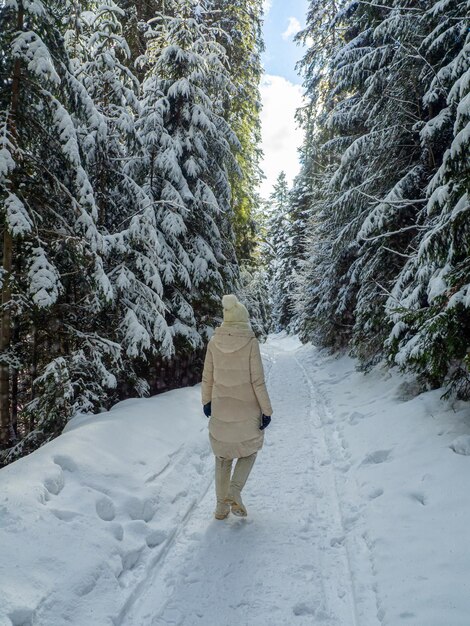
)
(281, 90)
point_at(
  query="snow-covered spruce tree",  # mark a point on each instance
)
(308, 185)
(190, 154)
(278, 254)
(240, 23)
(430, 304)
(375, 193)
(392, 168)
(53, 280)
(312, 195)
(98, 52)
(139, 260)
(322, 35)
(135, 24)
(302, 196)
(252, 290)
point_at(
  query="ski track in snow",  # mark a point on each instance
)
(294, 559)
(357, 557)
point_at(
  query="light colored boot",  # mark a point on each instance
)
(241, 472)
(223, 468)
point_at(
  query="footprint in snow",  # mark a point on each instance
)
(87, 583)
(55, 484)
(130, 558)
(349, 521)
(156, 538)
(21, 617)
(356, 418)
(65, 462)
(116, 530)
(376, 457)
(105, 509)
(419, 497)
(337, 541)
(64, 516)
(302, 608)
(461, 445)
(375, 493)
(141, 509)
(199, 467)
(179, 495)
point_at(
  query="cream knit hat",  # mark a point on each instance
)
(234, 311)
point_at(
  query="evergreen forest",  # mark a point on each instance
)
(130, 158)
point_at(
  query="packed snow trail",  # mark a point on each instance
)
(287, 562)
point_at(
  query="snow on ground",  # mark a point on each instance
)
(84, 518)
(358, 511)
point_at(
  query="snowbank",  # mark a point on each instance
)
(82, 517)
(403, 482)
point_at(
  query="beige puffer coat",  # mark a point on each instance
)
(233, 380)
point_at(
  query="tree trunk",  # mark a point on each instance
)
(14, 403)
(34, 369)
(5, 318)
(5, 338)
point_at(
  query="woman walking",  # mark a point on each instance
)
(234, 396)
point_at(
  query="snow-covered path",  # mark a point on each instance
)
(287, 562)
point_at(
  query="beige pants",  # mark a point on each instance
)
(225, 484)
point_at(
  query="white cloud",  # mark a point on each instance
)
(267, 4)
(281, 136)
(293, 28)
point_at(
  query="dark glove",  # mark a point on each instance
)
(265, 421)
(207, 409)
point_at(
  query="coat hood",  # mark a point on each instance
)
(231, 339)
